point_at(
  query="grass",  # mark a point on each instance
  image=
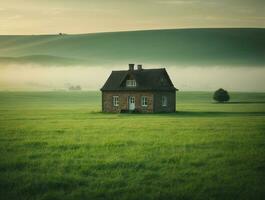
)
(57, 145)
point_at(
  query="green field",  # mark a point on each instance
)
(58, 145)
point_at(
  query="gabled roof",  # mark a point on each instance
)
(146, 80)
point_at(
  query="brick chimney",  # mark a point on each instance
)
(139, 67)
(131, 67)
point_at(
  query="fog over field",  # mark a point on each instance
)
(37, 77)
(196, 59)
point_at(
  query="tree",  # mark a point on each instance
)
(221, 95)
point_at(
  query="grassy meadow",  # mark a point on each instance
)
(58, 145)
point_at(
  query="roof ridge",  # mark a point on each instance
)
(136, 70)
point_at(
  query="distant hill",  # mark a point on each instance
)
(42, 60)
(187, 47)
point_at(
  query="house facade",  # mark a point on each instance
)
(139, 90)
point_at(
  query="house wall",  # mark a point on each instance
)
(171, 101)
(107, 103)
(154, 101)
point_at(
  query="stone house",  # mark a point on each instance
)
(139, 90)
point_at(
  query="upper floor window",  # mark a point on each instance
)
(164, 101)
(144, 101)
(131, 83)
(115, 100)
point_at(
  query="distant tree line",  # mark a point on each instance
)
(75, 87)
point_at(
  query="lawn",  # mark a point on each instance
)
(58, 145)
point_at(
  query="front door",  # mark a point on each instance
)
(131, 102)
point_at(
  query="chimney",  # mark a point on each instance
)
(131, 67)
(139, 67)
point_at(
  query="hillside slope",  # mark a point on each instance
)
(188, 47)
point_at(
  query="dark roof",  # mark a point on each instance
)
(146, 79)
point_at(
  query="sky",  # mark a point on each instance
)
(87, 16)
(33, 17)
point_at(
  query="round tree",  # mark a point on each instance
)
(221, 95)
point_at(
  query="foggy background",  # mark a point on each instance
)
(193, 78)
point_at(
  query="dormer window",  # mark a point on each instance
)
(131, 83)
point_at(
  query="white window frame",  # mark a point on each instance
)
(164, 101)
(130, 83)
(132, 99)
(115, 101)
(144, 101)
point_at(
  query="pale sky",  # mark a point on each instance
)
(87, 16)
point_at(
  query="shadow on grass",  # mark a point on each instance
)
(245, 102)
(239, 102)
(213, 114)
(188, 114)
(198, 113)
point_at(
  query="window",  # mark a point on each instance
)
(115, 100)
(144, 101)
(164, 101)
(130, 83)
(132, 100)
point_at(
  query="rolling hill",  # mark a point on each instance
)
(177, 47)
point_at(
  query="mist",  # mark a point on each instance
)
(194, 78)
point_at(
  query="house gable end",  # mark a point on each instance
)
(166, 76)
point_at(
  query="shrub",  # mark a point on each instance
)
(221, 95)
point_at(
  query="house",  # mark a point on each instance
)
(140, 90)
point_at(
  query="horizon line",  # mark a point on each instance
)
(124, 31)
